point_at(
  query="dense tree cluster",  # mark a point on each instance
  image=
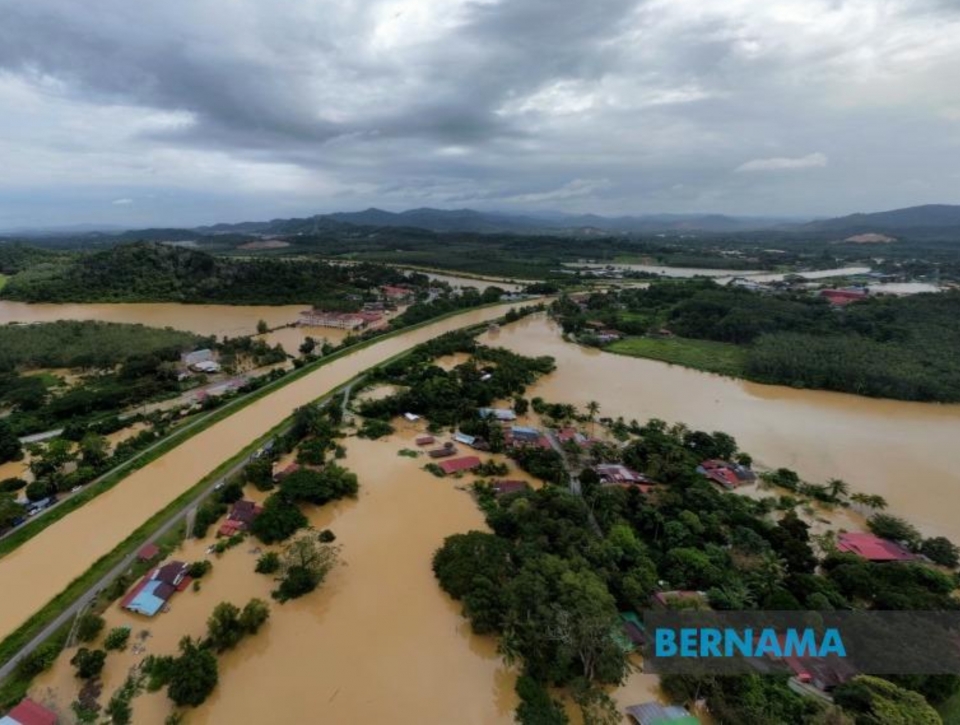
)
(900, 348)
(451, 398)
(560, 564)
(153, 272)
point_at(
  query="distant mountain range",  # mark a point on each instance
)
(933, 218)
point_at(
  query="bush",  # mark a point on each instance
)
(89, 662)
(39, 490)
(193, 675)
(260, 474)
(231, 492)
(327, 536)
(117, 639)
(9, 485)
(268, 563)
(89, 626)
(37, 661)
(374, 428)
(199, 569)
(941, 550)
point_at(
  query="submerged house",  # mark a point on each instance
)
(28, 712)
(873, 548)
(458, 465)
(727, 474)
(501, 414)
(156, 588)
(503, 487)
(240, 518)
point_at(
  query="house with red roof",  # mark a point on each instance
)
(148, 552)
(873, 548)
(503, 487)
(240, 518)
(28, 712)
(727, 474)
(616, 474)
(458, 465)
(841, 297)
(396, 294)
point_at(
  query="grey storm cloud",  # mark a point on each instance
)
(210, 109)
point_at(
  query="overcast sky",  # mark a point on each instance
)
(194, 111)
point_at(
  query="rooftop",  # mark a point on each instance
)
(456, 465)
(872, 547)
(28, 712)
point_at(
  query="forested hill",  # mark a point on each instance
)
(146, 272)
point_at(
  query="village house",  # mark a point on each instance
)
(459, 465)
(156, 588)
(501, 414)
(653, 713)
(425, 440)
(873, 548)
(396, 294)
(841, 297)
(519, 435)
(240, 518)
(503, 487)
(727, 474)
(566, 435)
(338, 320)
(28, 712)
(283, 473)
(618, 474)
(200, 361)
(446, 451)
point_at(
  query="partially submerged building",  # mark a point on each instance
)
(28, 712)
(156, 588)
(653, 713)
(459, 465)
(873, 548)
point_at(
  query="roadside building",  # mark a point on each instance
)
(148, 552)
(240, 518)
(459, 465)
(284, 472)
(152, 593)
(28, 712)
(873, 548)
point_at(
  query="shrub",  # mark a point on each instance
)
(198, 569)
(89, 626)
(117, 639)
(89, 662)
(268, 563)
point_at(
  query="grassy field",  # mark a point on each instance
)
(712, 357)
(3, 280)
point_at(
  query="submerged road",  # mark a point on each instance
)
(43, 567)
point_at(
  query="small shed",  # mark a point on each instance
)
(425, 440)
(148, 552)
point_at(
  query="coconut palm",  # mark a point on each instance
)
(593, 407)
(838, 488)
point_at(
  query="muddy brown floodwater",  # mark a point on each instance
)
(34, 573)
(229, 320)
(906, 452)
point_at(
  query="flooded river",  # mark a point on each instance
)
(221, 320)
(38, 570)
(902, 451)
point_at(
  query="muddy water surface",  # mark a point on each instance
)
(906, 452)
(47, 563)
(221, 320)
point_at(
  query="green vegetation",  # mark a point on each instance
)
(304, 564)
(116, 639)
(88, 344)
(89, 662)
(89, 627)
(228, 624)
(901, 348)
(723, 358)
(557, 568)
(146, 272)
(268, 563)
(193, 675)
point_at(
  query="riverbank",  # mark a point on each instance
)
(903, 451)
(722, 358)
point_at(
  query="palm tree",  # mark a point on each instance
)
(876, 502)
(593, 407)
(838, 488)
